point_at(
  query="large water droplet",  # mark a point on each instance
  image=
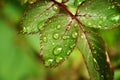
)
(96, 64)
(55, 36)
(59, 59)
(48, 62)
(74, 34)
(57, 50)
(44, 39)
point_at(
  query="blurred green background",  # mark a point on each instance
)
(18, 53)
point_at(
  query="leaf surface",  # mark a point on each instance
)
(95, 55)
(37, 15)
(56, 42)
(99, 14)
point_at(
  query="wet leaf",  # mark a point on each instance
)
(37, 15)
(99, 14)
(56, 42)
(95, 56)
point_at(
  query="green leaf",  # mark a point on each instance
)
(99, 14)
(78, 2)
(57, 42)
(37, 15)
(95, 56)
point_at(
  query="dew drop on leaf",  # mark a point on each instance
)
(48, 62)
(55, 8)
(68, 53)
(96, 64)
(55, 36)
(115, 18)
(24, 30)
(72, 46)
(74, 34)
(58, 27)
(58, 59)
(65, 37)
(57, 50)
(44, 39)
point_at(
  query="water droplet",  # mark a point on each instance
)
(48, 62)
(24, 30)
(65, 37)
(82, 36)
(75, 24)
(39, 26)
(47, 14)
(72, 46)
(87, 16)
(59, 59)
(53, 44)
(68, 53)
(101, 77)
(56, 36)
(58, 27)
(115, 18)
(96, 64)
(55, 8)
(74, 34)
(95, 51)
(44, 39)
(57, 50)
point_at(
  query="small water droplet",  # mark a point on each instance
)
(55, 8)
(95, 51)
(58, 27)
(96, 64)
(57, 50)
(75, 24)
(47, 14)
(55, 36)
(115, 18)
(24, 30)
(72, 46)
(53, 44)
(68, 53)
(59, 59)
(101, 77)
(87, 16)
(74, 34)
(44, 39)
(65, 37)
(48, 62)
(82, 36)
(39, 26)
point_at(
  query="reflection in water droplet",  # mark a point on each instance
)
(55, 36)
(44, 39)
(74, 34)
(65, 37)
(96, 64)
(59, 59)
(57, 50)
(48, 62)
(53, 44)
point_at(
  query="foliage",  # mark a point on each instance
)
(62, 26)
